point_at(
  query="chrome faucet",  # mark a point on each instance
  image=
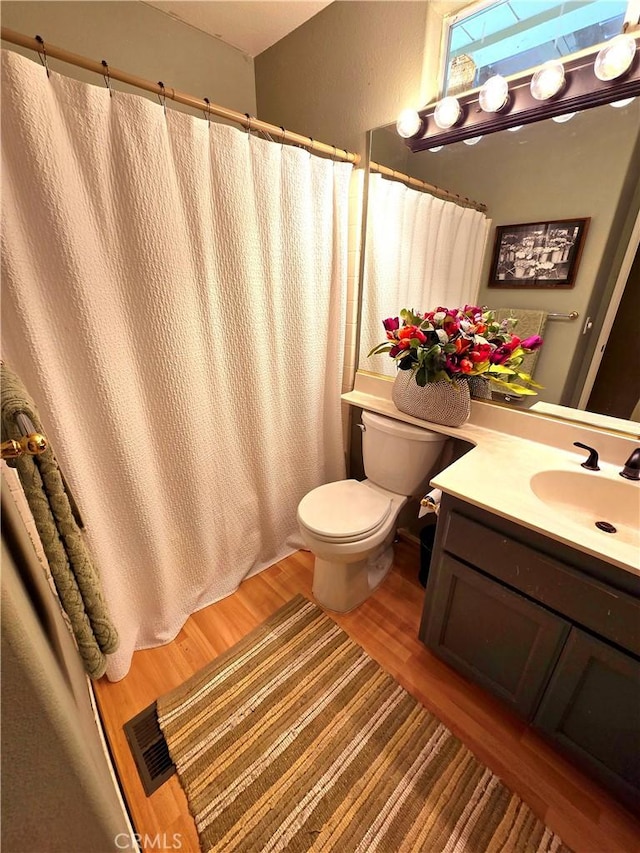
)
(631, 470)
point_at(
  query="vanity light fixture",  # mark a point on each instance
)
(615, 58)
(556, 90)
(473, 141)
(548, 80)
(623, 103)
(447, 113)
(494, 94)
(409, 124)
(561, 119)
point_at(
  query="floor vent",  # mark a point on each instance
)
(149, 749)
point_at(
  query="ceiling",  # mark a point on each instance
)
(250, 26)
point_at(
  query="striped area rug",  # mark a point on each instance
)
(296, 740)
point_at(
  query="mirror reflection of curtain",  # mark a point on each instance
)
(421, 252)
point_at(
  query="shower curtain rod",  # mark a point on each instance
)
(246, 121)
(429, 188)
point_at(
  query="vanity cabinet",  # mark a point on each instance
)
(552, 632)
(496, 637)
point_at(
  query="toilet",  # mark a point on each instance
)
(350, 526)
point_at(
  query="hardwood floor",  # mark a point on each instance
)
(587, 818)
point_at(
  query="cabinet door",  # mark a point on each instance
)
(491, 634)
(592, 709)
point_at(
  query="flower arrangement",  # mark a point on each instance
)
(452, 343)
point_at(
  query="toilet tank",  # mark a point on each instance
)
(399, 457)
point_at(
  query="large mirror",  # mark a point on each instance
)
(585, 168)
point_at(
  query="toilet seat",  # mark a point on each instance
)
(344, 511)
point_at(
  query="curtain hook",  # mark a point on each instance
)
(283, 138)
(44, 60)
(310, 146)
(248, 117)
(107, 76)
(207, 115)
(162, 97)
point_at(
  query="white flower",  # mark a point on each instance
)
(443, 337)
(439, 316)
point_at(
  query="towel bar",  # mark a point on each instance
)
(572, 316)
(32, 444)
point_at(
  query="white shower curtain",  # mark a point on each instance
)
(174, 299)
(422, 252)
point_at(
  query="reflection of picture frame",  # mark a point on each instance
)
(537, 254)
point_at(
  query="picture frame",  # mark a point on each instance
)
(538, 254)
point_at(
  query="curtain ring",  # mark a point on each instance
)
(44, 60)
(248, 117)
(162, 97)
(310, 146)
(283, 138)
(207, 115)
(107, 77)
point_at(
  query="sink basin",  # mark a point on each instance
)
(588, 498)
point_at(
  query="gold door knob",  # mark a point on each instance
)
(32, 445)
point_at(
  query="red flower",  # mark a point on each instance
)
(407, 332)
(391, 324)
(452, 365)
(466, 366)
(479, 353)
(450, 325)
(500, 355)
(462, 344)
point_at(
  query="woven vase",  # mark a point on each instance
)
(480, 388)
(443, 402)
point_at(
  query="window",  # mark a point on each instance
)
(510, 36)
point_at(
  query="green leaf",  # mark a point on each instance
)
(520, 389)
(421, 377)
(514, 388)
(500, 368)
(527, 378)
(386, 347)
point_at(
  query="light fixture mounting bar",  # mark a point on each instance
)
(582, 91)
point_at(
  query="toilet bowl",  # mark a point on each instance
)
(350, 525)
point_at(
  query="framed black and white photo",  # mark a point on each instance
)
(537, 254)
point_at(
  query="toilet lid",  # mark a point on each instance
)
(343, 509)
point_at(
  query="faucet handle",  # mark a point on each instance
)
(592, 462)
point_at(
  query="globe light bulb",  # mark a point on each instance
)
(547, 81)
(447, 113)
(615, 58)
(623, 103)
(473, 141)
(408, 124)
(436, 149)
(517, 127)
(494, 94)
(561, 119)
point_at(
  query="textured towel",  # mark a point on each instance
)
(530, 322)
(74, 575)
